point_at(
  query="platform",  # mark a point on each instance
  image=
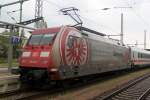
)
(9, 83)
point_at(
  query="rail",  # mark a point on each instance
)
(134, 89)
(144, 95)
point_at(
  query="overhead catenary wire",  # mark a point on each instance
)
(135, 12)
(60, 7)
(54, 4)
(98, 24)
(138, 15)
(96, 10)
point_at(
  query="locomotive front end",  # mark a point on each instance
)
(36, 56)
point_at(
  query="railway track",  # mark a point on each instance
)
(138, 89)
(9, 83)
(29, 94)
(21, 95)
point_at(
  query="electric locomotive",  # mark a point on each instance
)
(67, 52)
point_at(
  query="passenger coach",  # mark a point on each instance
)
(140, 57)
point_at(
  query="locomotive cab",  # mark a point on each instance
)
(36, 54)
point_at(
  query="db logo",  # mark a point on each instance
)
(35, 54)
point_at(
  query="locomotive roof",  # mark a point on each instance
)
(92, 34)
(39, 31)
(89, 30)
(46, 30)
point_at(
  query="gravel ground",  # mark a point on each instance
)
(90, 91)
(4, 74)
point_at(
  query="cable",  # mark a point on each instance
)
(54, 4)
(138, 15)
(8, 13)
(58, 6)
(99, 24)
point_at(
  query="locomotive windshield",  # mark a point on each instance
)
(41, 39)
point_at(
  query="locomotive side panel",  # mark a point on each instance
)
(101, 55)
(122, 55)
(81, 55)
(108, 57)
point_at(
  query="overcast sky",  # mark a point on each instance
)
(136, 19)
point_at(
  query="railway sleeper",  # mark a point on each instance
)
(124, 98)
(128, 95)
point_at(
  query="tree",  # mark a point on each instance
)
(4, 45)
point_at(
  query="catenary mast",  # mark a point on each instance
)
(39, 13)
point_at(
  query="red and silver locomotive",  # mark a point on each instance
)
(69, 52)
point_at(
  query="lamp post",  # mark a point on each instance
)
(145, 39)
(121, 33)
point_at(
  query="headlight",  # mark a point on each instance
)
(54, 69)
(44, 54)
(26, 54)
